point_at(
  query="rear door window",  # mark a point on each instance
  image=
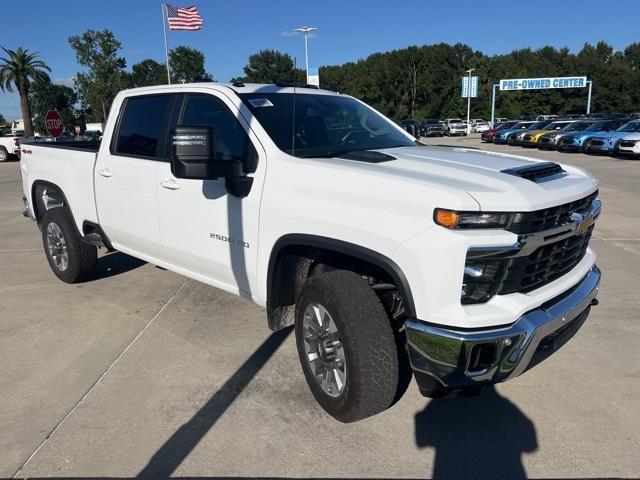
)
(142, 129)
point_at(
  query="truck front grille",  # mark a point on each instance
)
(545, 264)
(540, 220)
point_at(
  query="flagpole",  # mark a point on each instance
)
(166, 48)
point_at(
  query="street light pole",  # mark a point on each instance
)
(469, 99)
(306, 31)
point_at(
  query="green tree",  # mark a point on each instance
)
(187, 66)
(104, 74)
(147, 73)
(270, 66)
(45, 96)
(19, 70)
(2, 119)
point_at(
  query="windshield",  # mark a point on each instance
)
(630, 127)
(577, 126)
(556, 125)
(325, 125)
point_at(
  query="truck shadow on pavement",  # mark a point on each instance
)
(476, 437)
(173, 452)
(115, 263)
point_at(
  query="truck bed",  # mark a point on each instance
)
(83, 146)
(67, 165)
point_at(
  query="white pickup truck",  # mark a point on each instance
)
(10, 146)
(463, 267)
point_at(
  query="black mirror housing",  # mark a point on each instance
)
(192, 155)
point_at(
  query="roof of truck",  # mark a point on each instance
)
(238, 88)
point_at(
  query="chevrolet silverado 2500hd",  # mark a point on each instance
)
(460, 266)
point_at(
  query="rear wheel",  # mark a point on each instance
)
(4, 154)
(71, 260)
(346, 346)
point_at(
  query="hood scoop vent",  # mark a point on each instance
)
(537, 173)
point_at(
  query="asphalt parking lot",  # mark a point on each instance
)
(143, 372)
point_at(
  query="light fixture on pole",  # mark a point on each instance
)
(306, 31)
(468, 72)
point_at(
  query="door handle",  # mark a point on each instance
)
(105, 172)
(170, 184)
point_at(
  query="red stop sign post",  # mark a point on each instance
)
(53, 123)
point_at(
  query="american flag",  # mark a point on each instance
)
(183, 18)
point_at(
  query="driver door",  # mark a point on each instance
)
(204, 231)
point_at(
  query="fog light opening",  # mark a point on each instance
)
(483, 356)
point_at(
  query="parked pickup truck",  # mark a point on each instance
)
(9, 146)
(463, 267)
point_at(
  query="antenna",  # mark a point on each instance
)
(293, 113)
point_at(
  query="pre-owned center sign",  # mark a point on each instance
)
(542, 83)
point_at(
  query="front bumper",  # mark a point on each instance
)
(448, 360)
(547, 143)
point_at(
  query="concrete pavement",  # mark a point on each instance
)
(143, 372)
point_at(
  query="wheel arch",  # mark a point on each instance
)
(290, 262)
(57, 199)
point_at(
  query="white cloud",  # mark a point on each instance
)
(67, 82)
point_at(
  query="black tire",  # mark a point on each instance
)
(4, 154)
(586, 146)
(372, 381)
(81, 258)
(510, 141)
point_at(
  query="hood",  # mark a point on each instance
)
(539, 132)
(632, 136)
(613, 134)
(508, 131)
(481, 174)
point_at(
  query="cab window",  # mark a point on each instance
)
(231, 142)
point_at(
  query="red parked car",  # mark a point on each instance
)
(489, 134)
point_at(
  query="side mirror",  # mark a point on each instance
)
(192, 155)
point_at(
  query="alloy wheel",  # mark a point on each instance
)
(324, 350)
(57, 246)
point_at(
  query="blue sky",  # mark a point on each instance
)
(348, 30)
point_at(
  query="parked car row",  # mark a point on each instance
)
(433, 127)
(617, 136)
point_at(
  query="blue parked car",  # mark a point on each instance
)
(502, 136)
(608, 142)
(578, 141)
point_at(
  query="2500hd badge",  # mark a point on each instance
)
(232, 241)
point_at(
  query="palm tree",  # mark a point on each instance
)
(19, 70)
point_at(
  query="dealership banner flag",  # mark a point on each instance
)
(178, 18)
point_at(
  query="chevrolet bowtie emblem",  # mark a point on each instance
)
(582, 221)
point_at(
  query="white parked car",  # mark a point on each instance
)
(468, 266)
(480, 127)
(630, 145)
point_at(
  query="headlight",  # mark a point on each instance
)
(481, 280)
(461, 220)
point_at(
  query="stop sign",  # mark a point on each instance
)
(53, 123)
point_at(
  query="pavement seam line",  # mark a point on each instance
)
(95, 384)
(21, 250)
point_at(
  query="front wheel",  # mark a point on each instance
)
(346, 346)
(4, 154)
(71, 260)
